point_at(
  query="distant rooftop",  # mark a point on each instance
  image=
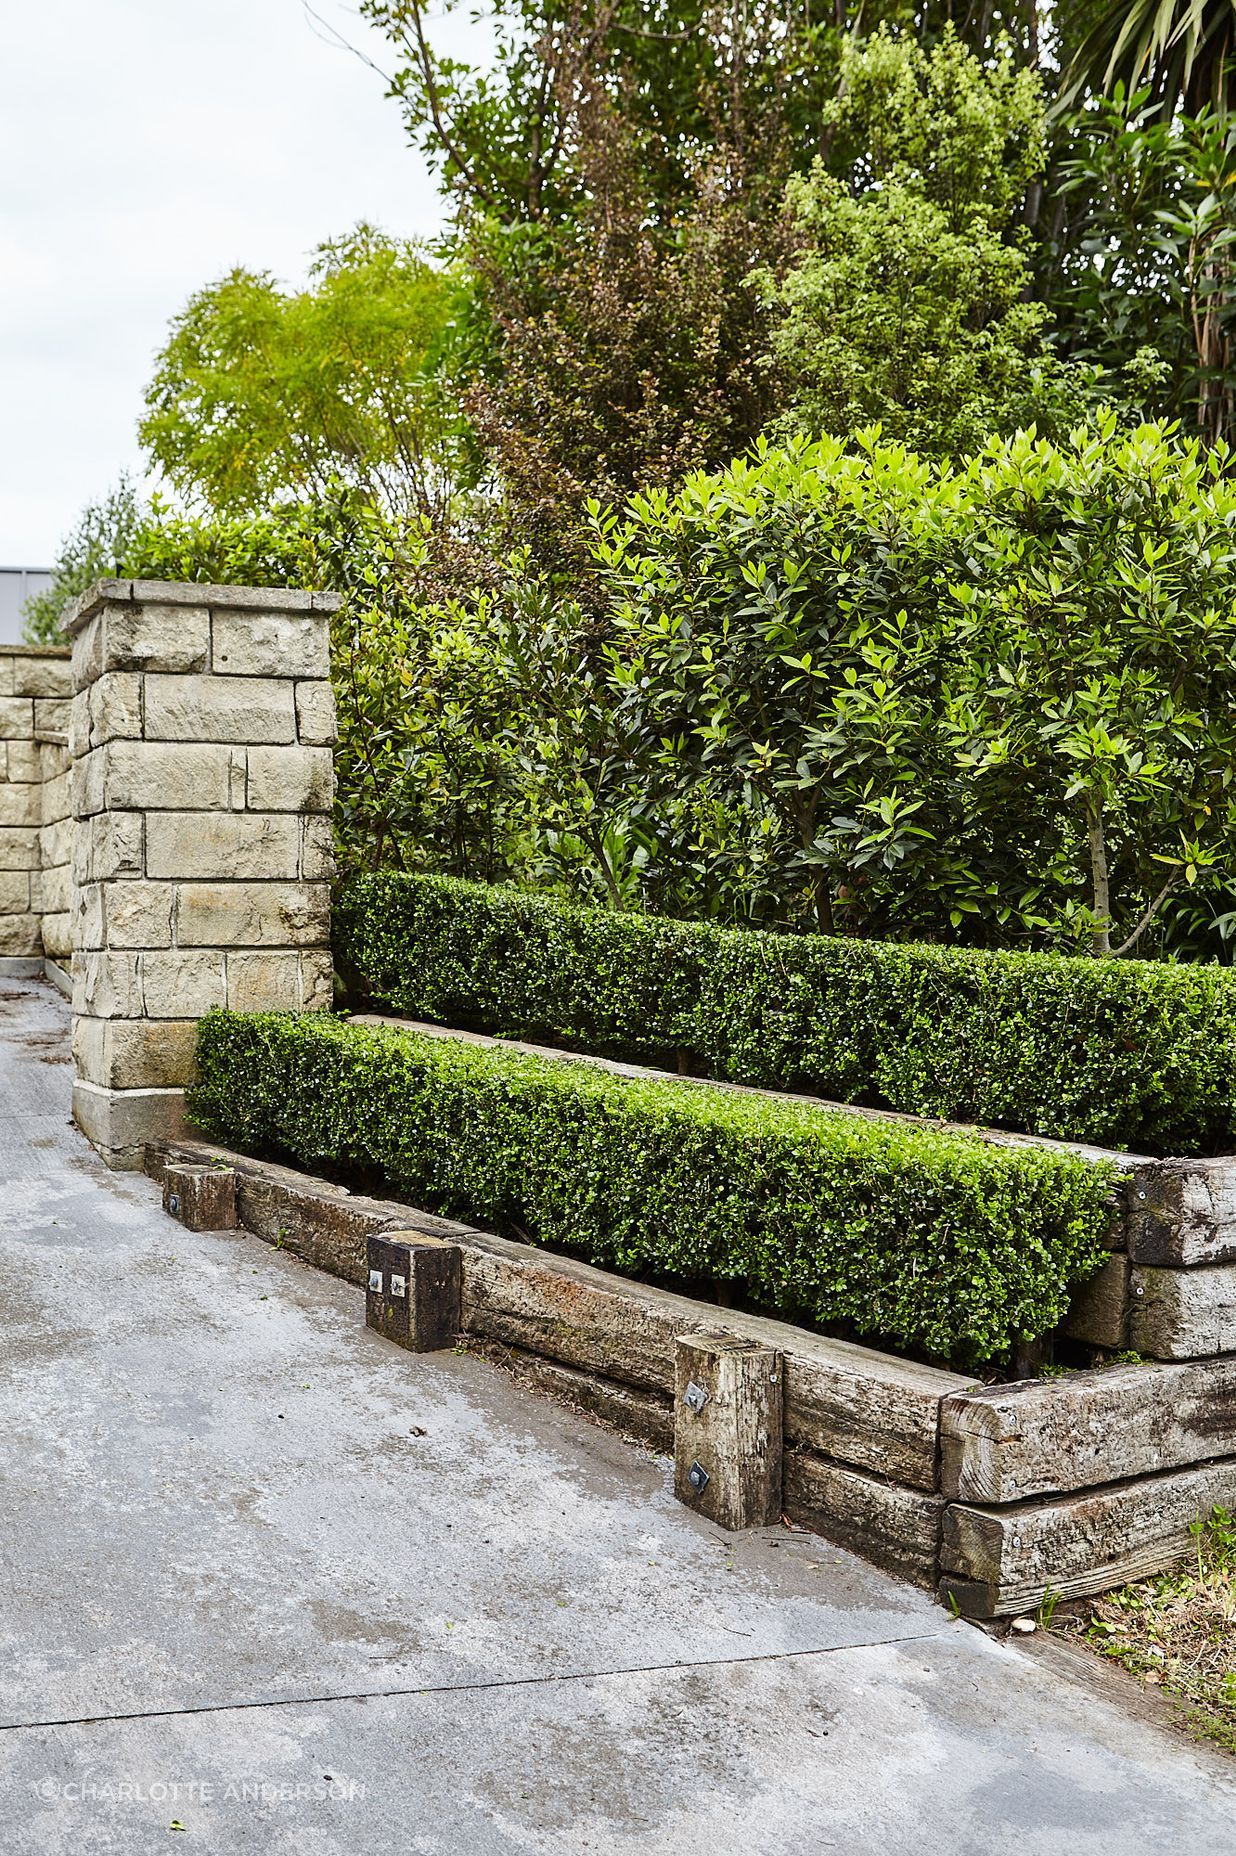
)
(16, 585)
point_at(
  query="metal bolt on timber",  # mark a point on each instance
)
(728, 1429)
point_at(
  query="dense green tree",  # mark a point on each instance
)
(617, 173)
(98, 545)
(1183, 50)
(908, 299)
(628, 352)
(262, 395)
(687, 75)
(1101, 667)
(1134, 262)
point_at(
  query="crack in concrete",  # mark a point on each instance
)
(466, 1688)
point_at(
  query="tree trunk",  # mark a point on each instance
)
(1102, 939)
(823, 902)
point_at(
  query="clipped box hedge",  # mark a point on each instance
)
(918, 1237)
(1121, 1053)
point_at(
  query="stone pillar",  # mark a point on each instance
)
(201, 737)
(34, 720)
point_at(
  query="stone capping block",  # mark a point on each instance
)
(81, 610)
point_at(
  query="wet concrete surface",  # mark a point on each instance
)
(269, 1584)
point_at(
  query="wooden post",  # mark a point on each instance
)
(727, 1429)
(413, 1290)
(202, 1198)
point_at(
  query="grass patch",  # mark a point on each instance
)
(1177, 1631)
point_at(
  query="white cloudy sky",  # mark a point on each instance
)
(147, 146)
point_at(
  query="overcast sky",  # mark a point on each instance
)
(147, 146)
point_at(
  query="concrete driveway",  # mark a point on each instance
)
(268, 1584)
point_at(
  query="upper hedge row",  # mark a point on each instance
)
(914, 1236)
(1131, 1054)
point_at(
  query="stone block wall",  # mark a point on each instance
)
(52, 889)
(34, 803)
(202, 727)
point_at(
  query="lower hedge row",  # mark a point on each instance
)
(913, 1236)
(1123, 1053)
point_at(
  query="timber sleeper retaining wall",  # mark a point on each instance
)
(995, 1495)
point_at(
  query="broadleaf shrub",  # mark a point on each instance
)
(920, 1238)
(1133, 1054)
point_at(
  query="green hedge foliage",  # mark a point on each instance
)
(917, 1237)
(1130, 1054)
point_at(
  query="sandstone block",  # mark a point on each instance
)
(317, 979)
(51, 715)
(291, 780)
(56, 843)
(264, 982)
(107, 985)
(182, 983)
(223, 845)
(119, 1122)
(79, 723)
(51, 891)
(19, 848)
(87, 660)
(16, 718)
(315, 714)
(24, 762)
(89, 783)
(253, 915)
(56, 758)
(47, 674)
(58, 799)
(121, 1053)
(139, 915)
(217, 708)
(271, 644)
(20, 804)
(155, 637)
(58, 936)
(317, 857)
(110, 845)
(89, 931)
(21, 937)
(167, 776)
(89, 1048)
(14, 892)
(115, 708)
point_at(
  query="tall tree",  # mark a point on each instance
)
(263, 395)
(907, 301)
